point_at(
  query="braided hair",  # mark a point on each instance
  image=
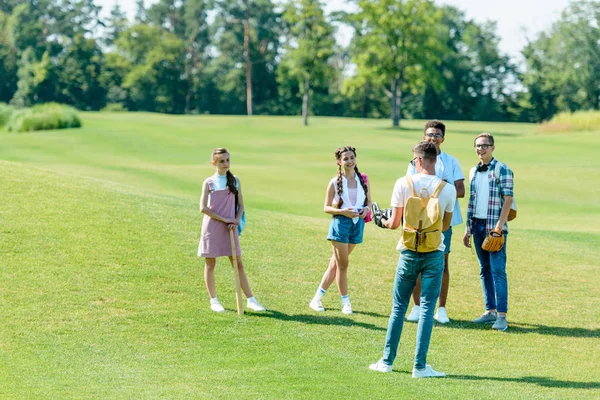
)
(338, 156)
(230, 177)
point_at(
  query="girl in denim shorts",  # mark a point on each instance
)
(348, 200)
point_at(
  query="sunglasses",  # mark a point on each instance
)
(413, 162)
(434, 135)
(483, 146)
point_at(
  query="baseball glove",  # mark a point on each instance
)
(494, 241)
(379, 215)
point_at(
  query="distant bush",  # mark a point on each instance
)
(43, 117)
(577, 121)
(5, 112)
(114, 107)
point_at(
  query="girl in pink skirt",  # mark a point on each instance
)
(218, 203)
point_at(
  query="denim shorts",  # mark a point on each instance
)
(343, 230)
(447, 240)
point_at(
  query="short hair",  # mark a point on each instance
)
(489, 137)
(426, 150)
(434, 123)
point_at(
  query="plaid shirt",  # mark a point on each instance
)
(499, 187)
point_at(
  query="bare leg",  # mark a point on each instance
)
(329, 275)
(243, 278)
(341, 251)
(209, 276)
(445, 283)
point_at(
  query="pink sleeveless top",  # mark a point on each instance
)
(215, 240)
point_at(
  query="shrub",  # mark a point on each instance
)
(43, 117)
(5, 112)
(577, 121)
(114, 107)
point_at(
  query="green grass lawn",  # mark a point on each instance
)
(102, 295)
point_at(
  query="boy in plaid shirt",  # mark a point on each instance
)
(490, 201)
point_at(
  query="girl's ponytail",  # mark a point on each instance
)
(231, 183)
(362, 183)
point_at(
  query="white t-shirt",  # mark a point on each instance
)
(402, 192)
(447, 168)
(482, 185)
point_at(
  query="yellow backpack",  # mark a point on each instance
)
(423, 220)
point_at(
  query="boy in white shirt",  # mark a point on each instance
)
(411, 264)
(448, 169)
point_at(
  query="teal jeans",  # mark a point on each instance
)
(410, 265)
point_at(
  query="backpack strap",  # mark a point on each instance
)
(410, 185)
(438, 189)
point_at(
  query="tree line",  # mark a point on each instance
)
(407, 58)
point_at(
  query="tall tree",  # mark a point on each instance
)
(246, 38)
(8, 62)
(116, 23)
(309, 47)
(152, 60)
(398, 45)
(563, 64)
(79, 75)
(474, 73)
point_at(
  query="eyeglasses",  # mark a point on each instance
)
(434, 135)
(483, 146)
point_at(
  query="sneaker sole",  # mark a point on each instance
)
(317, 309)
(500, 330)
(372, 368)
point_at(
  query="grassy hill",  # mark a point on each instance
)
(102, 295)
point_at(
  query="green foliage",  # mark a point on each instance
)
(577, 121)
(8, 61)
(43, 117)
(397, 46)
(310, 46)
(563, 64)
(407, 58)
(5, 113)
(152, 61)
(474, 74)
(114, 107)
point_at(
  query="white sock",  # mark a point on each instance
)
(214, 300)
(345, 299)
(252, 299)
(320, 293)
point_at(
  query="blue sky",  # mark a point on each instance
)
(516, 19)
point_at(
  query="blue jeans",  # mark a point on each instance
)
(410, 265)
(492, 271)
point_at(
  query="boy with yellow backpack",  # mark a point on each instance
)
(425, 203)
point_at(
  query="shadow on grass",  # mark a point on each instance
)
(317, 319)
(537, 380)
(371, 314)
(516, 327)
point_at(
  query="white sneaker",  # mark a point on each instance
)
(316, 305)
(380, 366)
(347, 308)
(414, 314)
(216, 306)
(441, 316)
(427, 372)
(254, 305)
